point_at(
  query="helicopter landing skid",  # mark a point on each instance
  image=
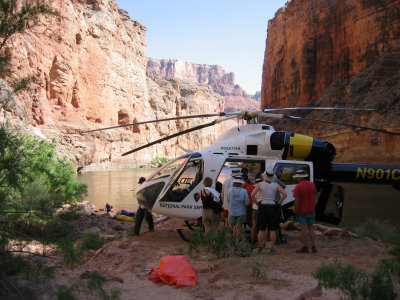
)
(182, 235)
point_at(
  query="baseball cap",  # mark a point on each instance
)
(141, 180)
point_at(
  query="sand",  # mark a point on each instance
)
(125, 263)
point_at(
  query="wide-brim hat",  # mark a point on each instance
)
(268, 176)
(235, 172)
(300, 174)
(238, 181)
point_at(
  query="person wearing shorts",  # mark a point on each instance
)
(268, 217)
(304, 206)
(238, 199)
(254, 212)
(210, 218)
(224, 194)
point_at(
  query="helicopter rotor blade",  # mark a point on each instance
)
(284, 116)
(317, 108)
(220, 114)
(178, 134)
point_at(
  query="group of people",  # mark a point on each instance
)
(258, 205)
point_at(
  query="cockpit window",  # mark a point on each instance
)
(185, 182)
(168, 169)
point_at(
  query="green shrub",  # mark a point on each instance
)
(357, 284)
(92, 284)
(348, 279)
(91, 241)
(222, 242)
(374, 229)
(258, 269)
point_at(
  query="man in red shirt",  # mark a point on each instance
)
(304, 206)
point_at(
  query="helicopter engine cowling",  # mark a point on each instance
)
(301, 147)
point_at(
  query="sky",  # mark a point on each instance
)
(229, 33)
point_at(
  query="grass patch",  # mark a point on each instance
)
(222, 242)
(358, 284)
(259, 269)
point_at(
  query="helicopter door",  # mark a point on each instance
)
(330, 197)
(330, 204)
(284, 171)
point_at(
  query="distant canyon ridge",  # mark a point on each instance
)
(92, 71)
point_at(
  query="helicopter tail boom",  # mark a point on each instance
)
(365, 173)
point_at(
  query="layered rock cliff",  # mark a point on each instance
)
(90, 68)
(222, 83)
(338, 53)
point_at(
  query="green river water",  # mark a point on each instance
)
(117, 187)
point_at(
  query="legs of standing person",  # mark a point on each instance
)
(262, 226)
(304, 229)
(138, 220)
(225, 216)
(206, 220)
(253, 234)
(206, 227)
(272, 237)
(216, 221)
(311, 234)
(149, 218)
(272, 223)
(237, 228)
(249, 218)
(279, 232)
(262, 238)
(306, 222)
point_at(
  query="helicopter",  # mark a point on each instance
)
(173, 189)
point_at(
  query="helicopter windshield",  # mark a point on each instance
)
(183, 182)
(168, 169)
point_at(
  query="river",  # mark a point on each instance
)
(117, 187)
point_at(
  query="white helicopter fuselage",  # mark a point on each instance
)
(172, 189)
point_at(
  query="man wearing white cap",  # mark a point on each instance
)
(304, 206)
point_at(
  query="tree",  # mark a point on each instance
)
(16, 17)
(34, 182)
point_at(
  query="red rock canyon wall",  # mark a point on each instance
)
(90, 65)
(338, 53)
